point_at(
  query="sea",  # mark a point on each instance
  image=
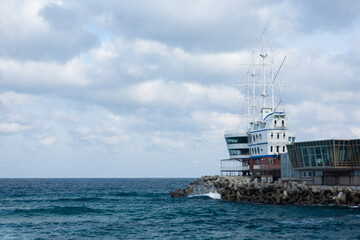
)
(143, 209)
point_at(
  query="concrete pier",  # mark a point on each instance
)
(242, 188)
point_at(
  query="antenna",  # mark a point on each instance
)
(277, 105)
(279, 69)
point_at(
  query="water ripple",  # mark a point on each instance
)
(143, 209)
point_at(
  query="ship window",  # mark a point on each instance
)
(235, 140)
(271, 148)
(242, 151)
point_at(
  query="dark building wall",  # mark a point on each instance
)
(327, 153)
(329, 162)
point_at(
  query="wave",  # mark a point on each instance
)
(57, 210)
(138, 194)
(76, 199)
(212, 195)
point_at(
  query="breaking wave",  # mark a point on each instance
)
(212, 195)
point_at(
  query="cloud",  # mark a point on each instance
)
(114, 88)
(12, 128)
(38, 76)
(11, 99)
(168, 142)
(49, 141)
(42, 31)
(336, 17)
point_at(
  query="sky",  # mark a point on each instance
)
(146, 88)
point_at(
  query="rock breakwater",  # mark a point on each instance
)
(241, 188)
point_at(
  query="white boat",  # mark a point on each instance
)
(256, 149)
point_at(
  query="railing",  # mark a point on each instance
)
(238, 168)
(233, 165)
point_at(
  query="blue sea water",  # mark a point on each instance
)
(143, 209)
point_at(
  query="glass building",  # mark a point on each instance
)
(327, 161)
(287, 172)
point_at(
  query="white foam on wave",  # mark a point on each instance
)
(213, 195)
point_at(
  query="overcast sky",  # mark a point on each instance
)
(147, 88)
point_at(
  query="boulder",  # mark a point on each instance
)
(241, 188)
(332, 190)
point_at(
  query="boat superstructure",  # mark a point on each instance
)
(256, 150)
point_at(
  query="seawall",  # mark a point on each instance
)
(240, 188)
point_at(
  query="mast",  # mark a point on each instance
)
(248, 97)
(272, 82)
(263, 55)
(253, 98)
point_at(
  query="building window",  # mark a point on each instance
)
(278, 136)
(275, 122)
(254, 138)
(272, 135)
(277, 148)
(271, 161)
(258, 150)
(260, 136)
(289, 139)
(283, 123)
(283, 149)
(284, 135)
(271, 148)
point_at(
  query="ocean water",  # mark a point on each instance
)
(143, 209)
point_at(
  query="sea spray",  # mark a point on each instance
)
(212, 195)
